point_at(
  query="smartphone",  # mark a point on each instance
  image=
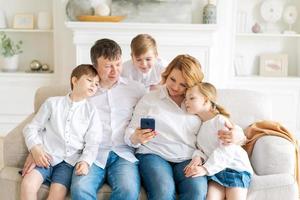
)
(148, 123)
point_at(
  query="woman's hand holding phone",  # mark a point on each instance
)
(142, 136)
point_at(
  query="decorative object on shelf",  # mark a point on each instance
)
(3, 23)
(10, 52)
(290, 15)
(102, 9)
(35, 65)
(241, 22)
(273, 65)
(45, 67)
(256, 28)
(94, 18)
(271, 12)
(23, 21)
(153, 11)
(210, 13)
(44, 20)
(75, 8)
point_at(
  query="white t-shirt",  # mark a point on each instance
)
(153, 77)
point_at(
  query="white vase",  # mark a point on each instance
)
(10, 64)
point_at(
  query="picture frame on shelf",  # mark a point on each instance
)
(273, 65)
(23, 21)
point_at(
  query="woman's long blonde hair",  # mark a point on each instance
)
(188, 65)
(210, 93)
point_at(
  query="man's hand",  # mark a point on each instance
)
(41, 158)
(142, 136)
(82, 168)
(29, 165)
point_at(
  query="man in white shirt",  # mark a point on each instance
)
(115, 101)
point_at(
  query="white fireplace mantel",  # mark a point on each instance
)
(173, 39)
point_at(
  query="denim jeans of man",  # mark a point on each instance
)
(161, 179)
(122, 176)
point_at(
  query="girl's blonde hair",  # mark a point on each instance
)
(188, 65)
(210, 93)
(142, 43)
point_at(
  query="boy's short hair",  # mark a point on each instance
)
(106, 48)
(83, 69)
(142, 43)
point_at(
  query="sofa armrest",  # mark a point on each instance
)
(273, 155)
(14, 149)
(1, 153)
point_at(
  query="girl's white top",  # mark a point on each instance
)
(216, 155)
(68, 131)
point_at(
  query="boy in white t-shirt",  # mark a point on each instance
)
(144, 66)
(64, 135)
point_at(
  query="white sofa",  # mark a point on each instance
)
(272, 159)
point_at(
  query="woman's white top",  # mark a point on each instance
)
(216, 155)
(177, 130)
(68, 131)
(153, 77)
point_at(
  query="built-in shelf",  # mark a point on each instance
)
(26, 74)
(26, 30)
(267, 80)
(267, 35)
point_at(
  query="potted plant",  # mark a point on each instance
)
(10, 52)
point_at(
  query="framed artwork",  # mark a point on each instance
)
(273, 65)
(23, 21)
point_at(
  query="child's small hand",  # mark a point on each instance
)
(196, 161)
(196, 171)
(82, 168)
(153, 87)
(29, 165)
(41, 158)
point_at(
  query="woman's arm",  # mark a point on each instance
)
(232, 134)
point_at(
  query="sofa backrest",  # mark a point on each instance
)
(245, 106)
(48, 91)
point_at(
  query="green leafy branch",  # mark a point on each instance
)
(7, 47)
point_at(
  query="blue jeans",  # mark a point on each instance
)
(121, 175)
(161, 179)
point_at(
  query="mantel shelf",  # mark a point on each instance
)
(26, 30)
(268, 35)
(143, 26)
